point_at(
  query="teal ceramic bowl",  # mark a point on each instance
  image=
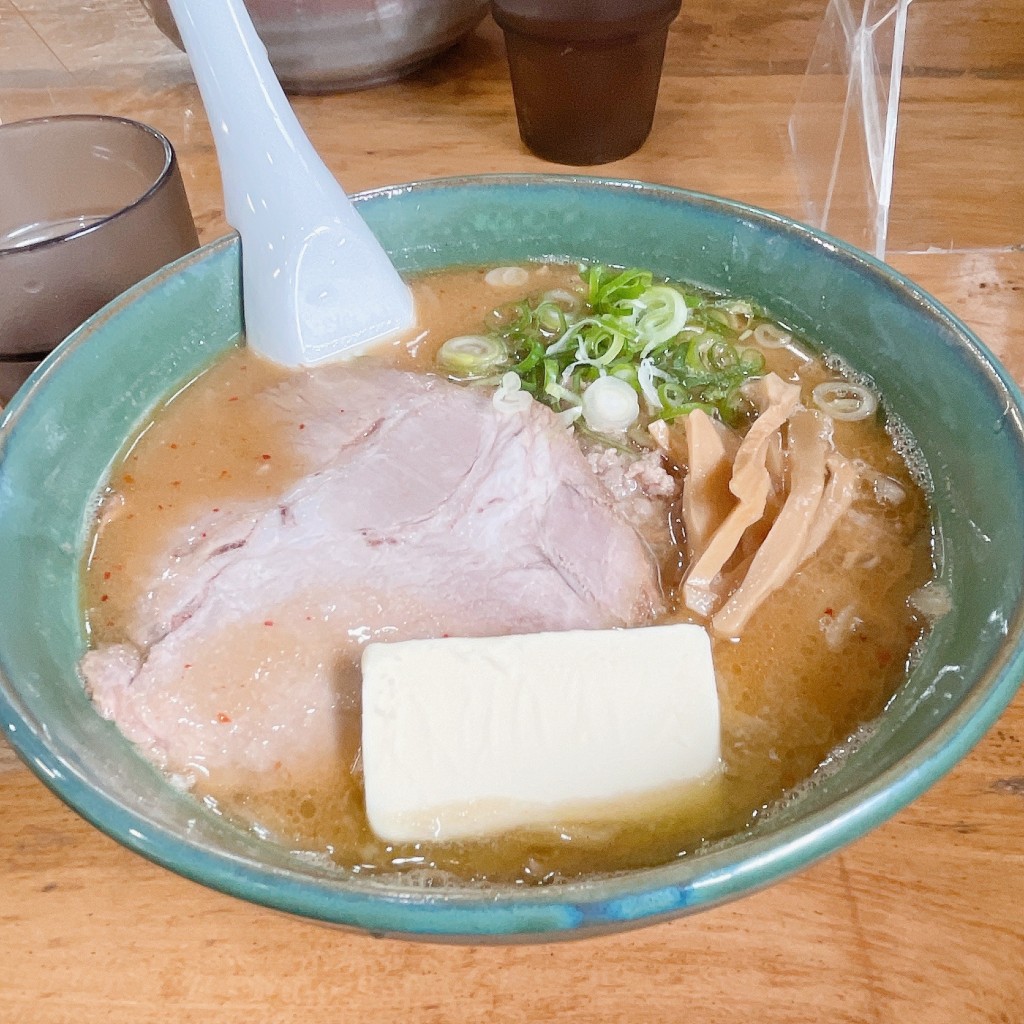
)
(65, 428)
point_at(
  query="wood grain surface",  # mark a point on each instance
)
(919, 922)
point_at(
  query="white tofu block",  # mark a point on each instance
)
(472, 737)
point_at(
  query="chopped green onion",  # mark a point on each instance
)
(740, 307)
(771, 336)
(696, 353)
(472, 355)
(613, 291)
(674, 412)
(532, 358)
(553, 388)
(646, 374)
(551, 317)
(606, 348)
(626, 372)
(672, 394)
(569, 301)
(510, 398)
(722, 356)
(679, 348)
(844, 400)
(752, 362)
(507, 277)
(664, 316)
(610, 406)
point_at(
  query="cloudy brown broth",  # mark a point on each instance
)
(818, 659)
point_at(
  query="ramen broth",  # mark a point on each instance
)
(818, 659)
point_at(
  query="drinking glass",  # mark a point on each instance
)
(89, 205)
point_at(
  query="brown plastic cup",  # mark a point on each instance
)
(89, 205)
(585, 73)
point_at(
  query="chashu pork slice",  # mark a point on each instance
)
(427, 510)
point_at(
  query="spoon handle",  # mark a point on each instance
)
(315, 280)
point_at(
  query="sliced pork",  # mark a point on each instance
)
(425, 510)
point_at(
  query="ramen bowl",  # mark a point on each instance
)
(65, 428)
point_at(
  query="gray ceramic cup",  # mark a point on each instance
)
(89, 205)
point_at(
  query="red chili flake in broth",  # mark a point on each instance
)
(173, 445)
(128, 478)
(104, 597)
(828, 611)
(223, 718)
(106, 575)
(233, 398)
(216, 510)
(265, 457)
(268, 622)
(302, 426)
(188, 664)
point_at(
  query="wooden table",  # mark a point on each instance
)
(919, 922)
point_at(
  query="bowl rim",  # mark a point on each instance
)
(593, 905)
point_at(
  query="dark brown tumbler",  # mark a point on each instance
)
(585, 73)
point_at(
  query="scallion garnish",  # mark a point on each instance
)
(470, 356)
(675, 347)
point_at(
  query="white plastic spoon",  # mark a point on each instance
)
(316, 283)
